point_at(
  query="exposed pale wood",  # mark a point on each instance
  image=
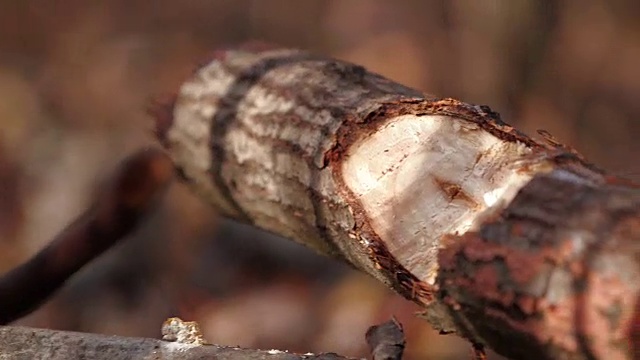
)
(515, 243)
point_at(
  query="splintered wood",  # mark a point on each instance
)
(507, 240)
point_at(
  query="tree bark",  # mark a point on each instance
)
(515, 243)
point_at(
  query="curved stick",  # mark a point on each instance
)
(115, 213)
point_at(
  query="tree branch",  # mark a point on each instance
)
(27, 343)
(512, 242)
(123, 202)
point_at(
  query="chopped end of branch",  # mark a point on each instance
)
(496, 234)
(421, 177)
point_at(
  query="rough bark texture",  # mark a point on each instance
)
(515, 243)
(20, 343)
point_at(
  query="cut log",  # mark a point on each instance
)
(515, 243)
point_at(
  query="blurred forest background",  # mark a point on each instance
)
(76, 76)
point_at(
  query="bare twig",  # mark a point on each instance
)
(116, 211)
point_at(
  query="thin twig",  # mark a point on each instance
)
(117, 210)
